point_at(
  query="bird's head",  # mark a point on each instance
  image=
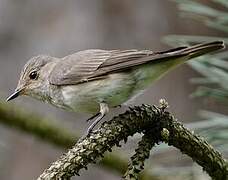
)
(33, 78)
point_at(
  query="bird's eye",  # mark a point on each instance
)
(33, 75)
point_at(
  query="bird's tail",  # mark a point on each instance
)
(197, 50)
(162, 62)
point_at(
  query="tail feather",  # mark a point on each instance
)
(200, 49)
(185, 51)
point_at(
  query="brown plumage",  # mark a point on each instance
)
(94, 64)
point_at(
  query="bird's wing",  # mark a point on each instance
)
(88, 65)
(95, 64)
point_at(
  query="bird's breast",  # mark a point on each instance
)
(85, 97)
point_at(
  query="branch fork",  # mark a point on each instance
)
(157, 125)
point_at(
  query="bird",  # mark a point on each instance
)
(93, 81)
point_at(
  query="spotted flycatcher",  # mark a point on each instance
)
(94, 80)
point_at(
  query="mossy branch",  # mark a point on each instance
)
(46, 130)
(136, 164)
(141, 119)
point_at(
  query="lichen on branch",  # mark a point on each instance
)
(142, 152)
(142, 119)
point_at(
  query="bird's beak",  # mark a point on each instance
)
(16, 93)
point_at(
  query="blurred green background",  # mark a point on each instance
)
(197, 94)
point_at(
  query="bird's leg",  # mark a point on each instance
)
(103, 111)
(94, 116)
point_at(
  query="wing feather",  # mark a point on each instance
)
(88, 65)
(77, 67)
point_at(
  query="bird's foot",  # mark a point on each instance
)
(97, 117)
(92, 117)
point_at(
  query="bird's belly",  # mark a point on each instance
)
(113, 90)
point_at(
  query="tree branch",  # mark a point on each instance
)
(136, 165)
(141, 119)
(46, 130)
